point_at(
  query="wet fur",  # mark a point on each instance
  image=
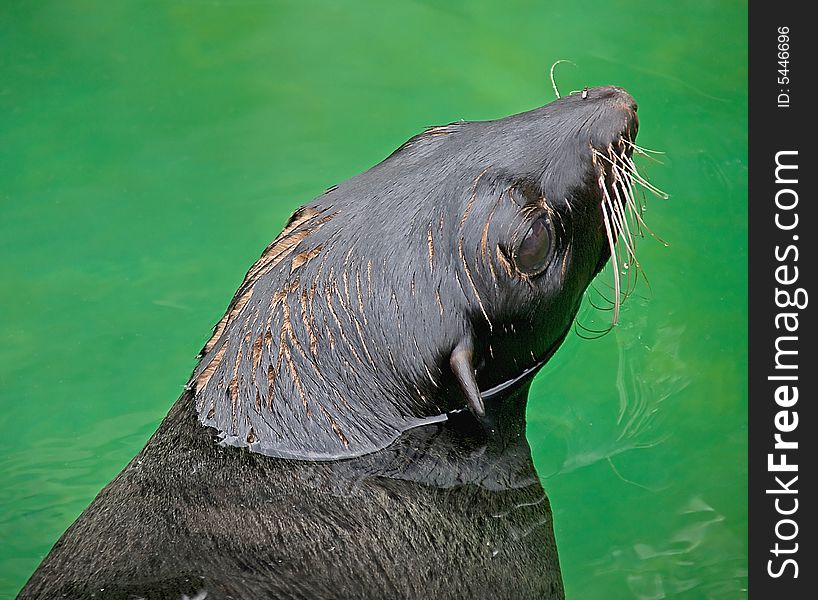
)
(373, 284)
(322, 448)
(441, 516)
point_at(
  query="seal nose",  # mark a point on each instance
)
(617, 95)
(620, 108)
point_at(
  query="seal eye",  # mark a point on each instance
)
(533, 251)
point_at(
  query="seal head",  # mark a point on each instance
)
(455, 265)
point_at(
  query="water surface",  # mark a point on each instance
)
(150, 150)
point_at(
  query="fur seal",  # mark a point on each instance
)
(355, 427)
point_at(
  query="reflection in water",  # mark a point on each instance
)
(444, 512)
(650, 370)
(685, 563)
(664, 538)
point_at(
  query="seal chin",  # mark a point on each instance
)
(503, 389)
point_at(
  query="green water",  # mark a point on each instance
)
(150, 150)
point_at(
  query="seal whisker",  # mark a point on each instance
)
(619, 226)
(625, 295)
(631, 250)
(605, 298)
(611, 245)
(638, 216)
(620, 204)
(637, 178)
(621, 162)
(597, 333)
(626, 184)
(631, 168)
(642, 150)
(632, 293)
(613, 218)
(551, 75)
(619, 223)
(634, 210)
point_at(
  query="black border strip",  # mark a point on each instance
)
(782, 332)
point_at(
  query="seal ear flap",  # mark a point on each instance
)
(461, 362)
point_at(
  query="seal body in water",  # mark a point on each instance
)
(355, 427)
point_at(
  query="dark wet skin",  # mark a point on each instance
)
(356, 426)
